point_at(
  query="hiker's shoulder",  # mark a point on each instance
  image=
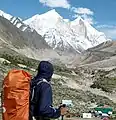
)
(45, 84)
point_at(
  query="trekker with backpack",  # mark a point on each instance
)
(24, 98)
(41, 98)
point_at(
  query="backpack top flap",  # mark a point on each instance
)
(16, 87)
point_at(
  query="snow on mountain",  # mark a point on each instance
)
(63, 34)
(42, 23)
(66, 20)
(5, 15)
(90, 37)
(15, 21)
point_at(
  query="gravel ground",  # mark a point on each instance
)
(83, 119)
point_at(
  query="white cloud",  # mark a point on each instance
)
(87, 18)
(90, 20)
(109, 30)
(82, 11)
(107, 26)
(66, 20)
(85, 13)
(56, 3)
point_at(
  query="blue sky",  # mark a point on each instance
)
(100, 13)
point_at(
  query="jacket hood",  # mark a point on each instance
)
(45, 70)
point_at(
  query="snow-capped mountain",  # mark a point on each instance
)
(65, 35)
(5, 15)
(42, 23)
(18, 22)
(61, 34)
(25, 42)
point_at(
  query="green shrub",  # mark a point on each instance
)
(105, 83)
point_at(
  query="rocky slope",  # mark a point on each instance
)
(33, 45)
(74, 84)
(28, 43)
(101, 56)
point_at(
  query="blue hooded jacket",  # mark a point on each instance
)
(43, 92)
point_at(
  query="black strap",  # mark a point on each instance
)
(32, 102)
(33, 89)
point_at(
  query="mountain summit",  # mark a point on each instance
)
(70, 36)
(64, 36)
(42, 23)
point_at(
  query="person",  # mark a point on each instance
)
(42, 108)
(105, 118)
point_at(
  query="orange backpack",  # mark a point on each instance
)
(16, 90)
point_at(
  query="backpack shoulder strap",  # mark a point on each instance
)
(33, 89)
(32, 101)
(42, 80)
